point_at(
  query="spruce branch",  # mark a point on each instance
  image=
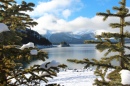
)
(115, 25)
(90, 63)
(106, 15)
(127, 15)
(104, 43)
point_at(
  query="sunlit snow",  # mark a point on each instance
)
(47, 65)
(73, 78)
(33, 52)
(28, 45)
(3, 27)
(125, 76)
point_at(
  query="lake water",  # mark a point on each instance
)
(75, 51)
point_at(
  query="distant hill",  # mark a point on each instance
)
(35, 37)
(70, 37)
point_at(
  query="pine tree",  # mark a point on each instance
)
(13, 14)
(104, 43)
(12, 57)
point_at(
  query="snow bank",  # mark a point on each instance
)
(69, 77)
(3, 27)
(73, 78)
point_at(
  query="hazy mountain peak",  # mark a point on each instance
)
(70, 37)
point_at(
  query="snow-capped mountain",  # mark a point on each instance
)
(70, 37)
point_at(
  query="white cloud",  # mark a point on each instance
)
(53, 15)
(51, 22)
(66, 13)
(62, 8)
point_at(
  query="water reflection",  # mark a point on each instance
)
(76, 51)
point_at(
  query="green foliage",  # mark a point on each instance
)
(104, 43)
(35, 37)
(12, 58)
(10, 38)
(13, 14)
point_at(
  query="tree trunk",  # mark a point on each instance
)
(122, 42)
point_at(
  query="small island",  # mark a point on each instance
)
(64, 44)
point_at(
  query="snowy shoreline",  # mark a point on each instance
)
(75, 77)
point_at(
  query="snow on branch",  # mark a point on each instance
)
(3, 27)
(125, 76)
(47, 65)
(28, 45)
(33, 52)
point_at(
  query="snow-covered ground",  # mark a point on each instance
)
(73, 78)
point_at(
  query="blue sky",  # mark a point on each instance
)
(89, 7)
(72, 15)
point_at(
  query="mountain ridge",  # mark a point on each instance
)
(33, 36)
(77, 37)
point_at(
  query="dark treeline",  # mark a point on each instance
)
(35, 37)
